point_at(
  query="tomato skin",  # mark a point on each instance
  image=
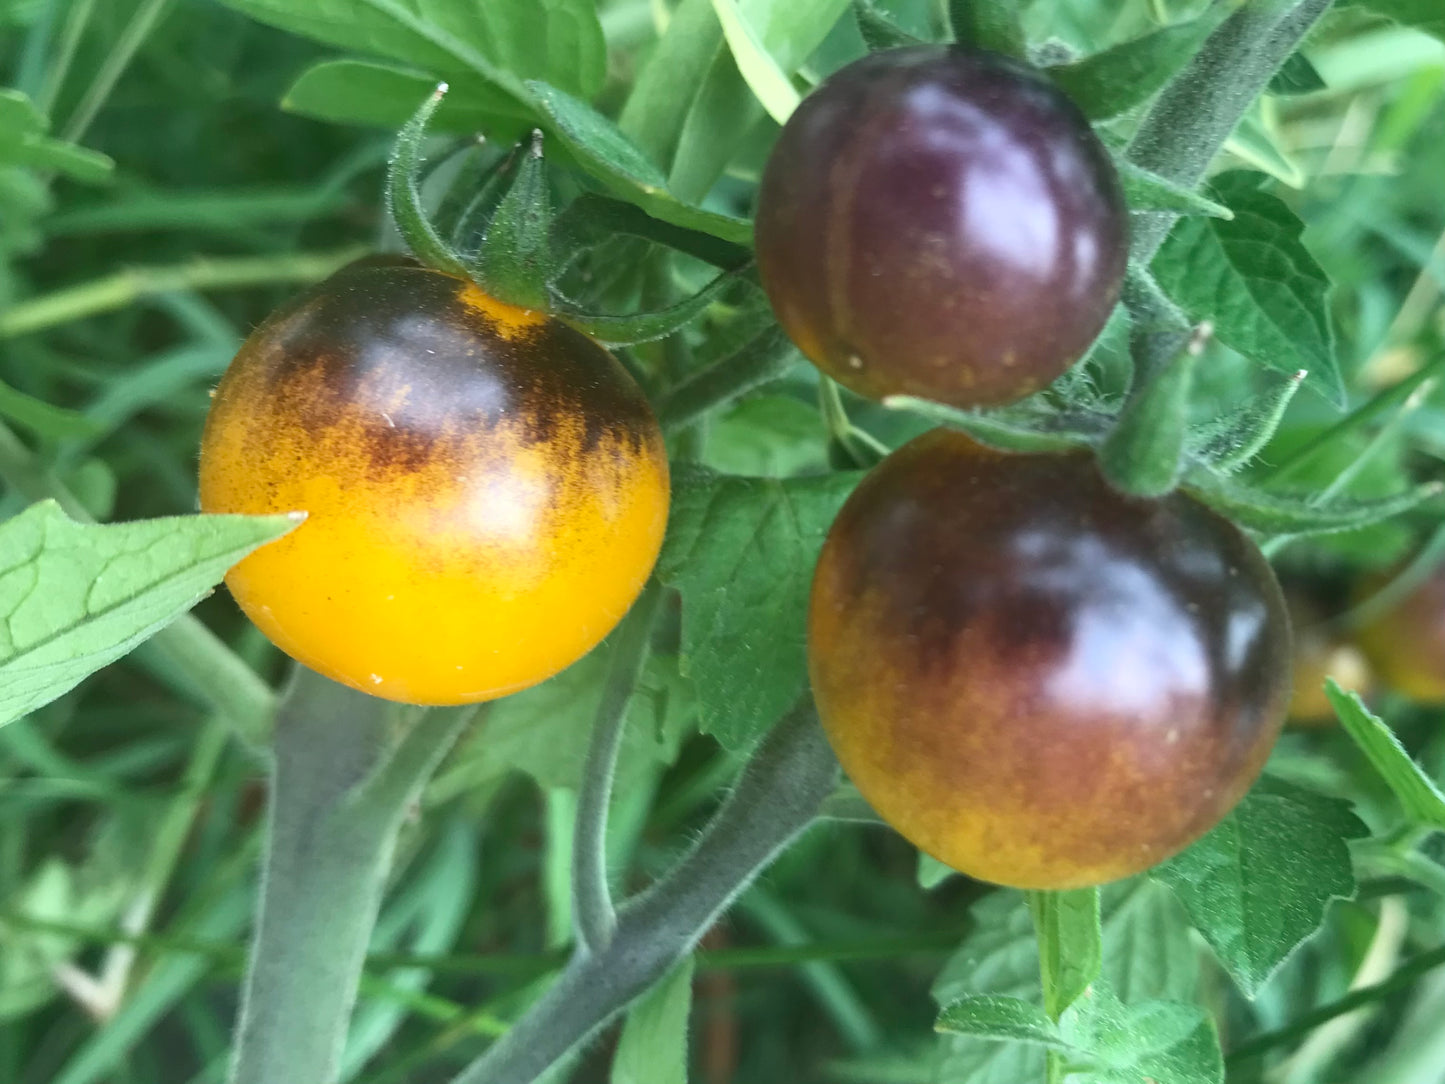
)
(1037, 680)
(1406, 644)
(486, 489)
(941, 222)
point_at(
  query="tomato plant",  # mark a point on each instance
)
(485, 488)
(941, 222)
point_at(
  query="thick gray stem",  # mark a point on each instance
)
(777, 796)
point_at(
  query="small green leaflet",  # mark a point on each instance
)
(742, 551)
(76, 597)
(1421, 798)
(764, 77)
(653, 1046)
(988, 1016)
(1426, 15)
(23, 142)
(355, 91)
(1252, 277)
(1256, 886)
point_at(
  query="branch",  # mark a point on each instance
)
(1194, 115)
(777, 796)
(347, 766)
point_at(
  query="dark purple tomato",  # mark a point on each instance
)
(1036, 679)
(941, 222)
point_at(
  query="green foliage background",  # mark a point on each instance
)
(170, 171)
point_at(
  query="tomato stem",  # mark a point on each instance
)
(347, 766)
(593, 914)
(777, 796)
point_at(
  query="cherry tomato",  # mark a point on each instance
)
(486, 488)
(941, 222)
(1039, 681)
(1406, 644)
(1320, 651)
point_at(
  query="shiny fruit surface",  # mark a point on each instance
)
(486, 489)
(1406, 644)
(1035, 679)
(941, 222)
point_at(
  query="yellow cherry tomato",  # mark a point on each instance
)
(486, 489)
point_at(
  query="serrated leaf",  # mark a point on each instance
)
(1157, 1042)
(1256, 886)
(1125, 75)
(76, 597)
(1255, 281)
(652, 1048)
(501, 42)
(999, 957)
(354, 91)
(1147, 191)
(1270, 514)
(1421, 799)
(742, 552)
(604, 152)
(988, 1016)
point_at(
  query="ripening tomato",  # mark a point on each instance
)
(941, 222)
(486, 489)
(1038, 680)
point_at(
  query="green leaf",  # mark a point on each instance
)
(1114, 81)
(1009, 429)
(1147, 191)
(1157, 1042)
(644, 327)
(1297, 77)
(604, 152)
(1148, 950)
(1421, 799)
(988, 24)
(1070, 944)
(370, 92)
(742, 551)
(42, 417)
(767, 80)
(1426, 15)
(878, 29)
(76, 597)
(988, 1016)
(501, 42)
(1256, 886)
(19, 119)
(999, 957)
(514, 261)
(1271, 514)
(652, 1048)
(23, 142)
(1255, 281)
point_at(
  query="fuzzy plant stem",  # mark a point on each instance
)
(593, 914)
(347, 767)
(1194, 115)
(777, 796)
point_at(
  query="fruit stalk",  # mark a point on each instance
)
(777, 796)
(347, 767)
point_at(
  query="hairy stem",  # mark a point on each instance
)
(593, 915)
(777, 796)
(1193, 116)
(347, 766)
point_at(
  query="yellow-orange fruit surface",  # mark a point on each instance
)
(486, 489)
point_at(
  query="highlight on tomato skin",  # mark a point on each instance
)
(486, 488)
(1035, 679)
(941, 222)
